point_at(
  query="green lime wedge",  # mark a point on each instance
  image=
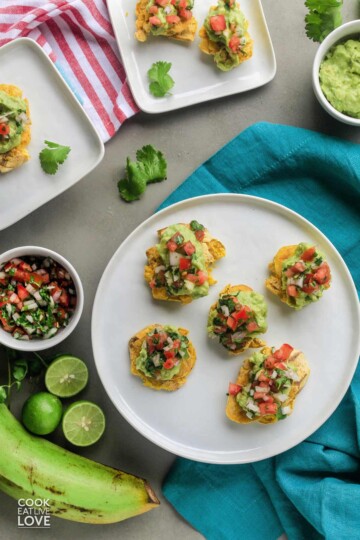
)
(66, 376)
(83, 423)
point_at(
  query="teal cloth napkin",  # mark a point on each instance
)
(313, 490)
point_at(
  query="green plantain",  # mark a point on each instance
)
(75, 487)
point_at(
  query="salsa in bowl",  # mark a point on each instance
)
(41, 298)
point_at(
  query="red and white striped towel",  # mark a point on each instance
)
(78, 37)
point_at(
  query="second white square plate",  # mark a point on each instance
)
(196, 76)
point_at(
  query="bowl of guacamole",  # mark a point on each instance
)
(336, 73)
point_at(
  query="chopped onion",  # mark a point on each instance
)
(263, 389)
(252, 407)
(274, 374)
(280, 397)
(159, 268)
(286, 410)
(39, 300)
(292, 375)
(30, 319)
(30, 289)
(24, 337)
(56, 296)
(238, 336)
(16, 316)
(2, 275)
(16, 261)
(156, 360)
(9, 309)
(50, 333)
(167, 10)
(249, 415)
(29, 330)
(174, 258)
(189, 285)
(225, 310)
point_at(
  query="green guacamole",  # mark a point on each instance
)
(10, 109)
(340, 77)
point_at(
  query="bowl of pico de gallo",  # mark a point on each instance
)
(41, 298)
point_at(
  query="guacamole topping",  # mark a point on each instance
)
(227, 26)
(269, 382)
(237, 317)
(183, 271)
(166, 13)
(12, 121)
(340, 77)
(162, 352)
(305, 276)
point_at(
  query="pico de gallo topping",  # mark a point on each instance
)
(37, 297)
(164, 14)
(162, 352)
(237, 317)
(270, 379)
(305, 275)
(183, 270)
(13, 120)
(226, 25)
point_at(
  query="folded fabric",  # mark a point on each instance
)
(79, 39)
(312, 491)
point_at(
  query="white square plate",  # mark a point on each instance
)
(56, 116)
(196, 76)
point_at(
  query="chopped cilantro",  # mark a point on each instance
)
(196, 226)
(323, 17)
(53, 156)
(160, 80)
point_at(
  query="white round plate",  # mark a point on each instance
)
(191, 421)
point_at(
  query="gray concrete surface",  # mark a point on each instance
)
(88, 222)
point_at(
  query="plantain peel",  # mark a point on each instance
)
(18, 155)
(187, 364)
(184, 30)
(297, 360)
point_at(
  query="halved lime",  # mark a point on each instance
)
(83, 423)
(66, 376)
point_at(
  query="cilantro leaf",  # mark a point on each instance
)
(3, 394)
(323, 17)
(153, 163)
(150, 167)
(53, 156)
(160, 80)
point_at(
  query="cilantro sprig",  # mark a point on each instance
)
(160, 80)
(150, 166)
(323, 17)
(53, 156)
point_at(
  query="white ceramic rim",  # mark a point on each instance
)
(42, 344)
(343, 31)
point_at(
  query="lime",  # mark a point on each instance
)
(83, 423)
(41, 413)
(66, 376)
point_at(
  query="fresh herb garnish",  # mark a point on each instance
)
(323, 17)
(53, 156)
(160, 80)
(150, 167)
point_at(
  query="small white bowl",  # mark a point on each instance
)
(343, 32)
(40, 344)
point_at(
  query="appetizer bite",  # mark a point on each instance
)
(267, 385)
(169, 18)
(179, 266)
(237, 318)
(37, 297)
(14, 128)
(225, 36)
(162, 356)
(299, 275)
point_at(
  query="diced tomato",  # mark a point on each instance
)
(241, 314)
(191, 277)
(234, 43)
(8, 266)
(234, 389)
(64, 298)
(218, 23)
(284, 352)
(309, 285)
(155, 21)
(292, 290)
(267, 408)
(62, 314)
(176, 344)
(185, 14)
(289, 272)
(152, 284)
(263, 378)
(202, 277)
(171, 245)
(3, 301)
(172, 19)
(189, 248)
(259, 395)
(3, 281)
(24, 266)
(231, 322)
(220, 329)
(184, 264)
(13, 298)
(182, 3)
(268, 399)
(252, 326)
(270, 362)
(153, 10)
(200, 235)
(280, 365)
(322, 274)
(8, 327)
(4, 129)
(169, 354)
(308, 254)
(169, 363)
(23, 294)
(162, 3)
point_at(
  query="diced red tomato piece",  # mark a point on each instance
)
(62, 314)
(231, 322)
(234, 43)
(270, 362)
(234, 389)
(292, 290)
(153, 10)
(263, 378)
(23, 294)
(3, 301)
(189, 248)
(64, 298)
(152, 284)
(171, 245)
(268, 399)
(284, 352)
(200, 235)
(185, 14)
(8, 266)
(176, 343)
(3, 281)
(172, 19)
(155, 21)
(191, 277)
(280, 365)
(169, 354)
(4, 129)
(8, 327)
(299, 266)
(162, 3)
(24, 266)
(308, 254)
(169, 363)
(267, 408)
(184, 264)
(13, 298)
(202, 277)
(322, 274)
(218, 23)
(252, 326)
(259, 395)
(182, 3)
(309, 285)
(289, 272)
(241, 314)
